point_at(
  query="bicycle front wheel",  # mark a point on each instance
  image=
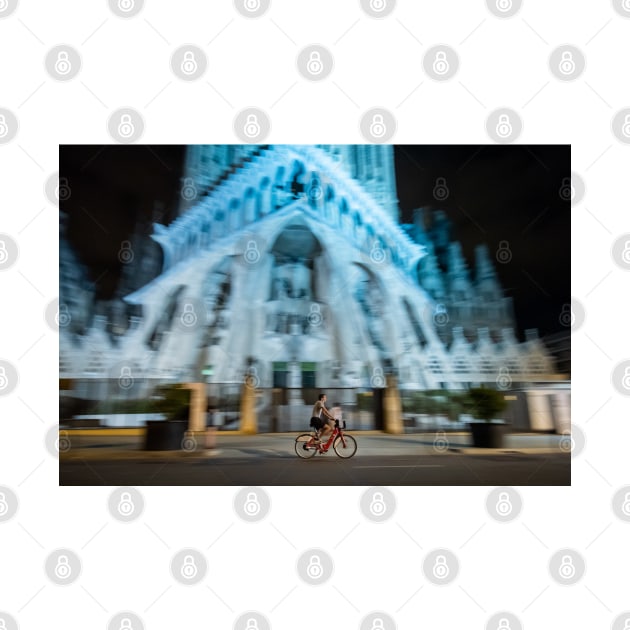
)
(301, 448)
(345, 446)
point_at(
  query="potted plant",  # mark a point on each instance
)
(166, 435)
(485, 404)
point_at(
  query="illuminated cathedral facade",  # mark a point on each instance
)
(289, 264)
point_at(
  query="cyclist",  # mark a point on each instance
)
(322, 425)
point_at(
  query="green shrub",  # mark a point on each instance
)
(485, 403)
(171, 400)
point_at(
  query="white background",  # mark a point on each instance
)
(251, 62)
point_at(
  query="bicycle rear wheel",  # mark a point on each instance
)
(347, 450)
(303, 451)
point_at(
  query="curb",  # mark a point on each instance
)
(88, 455)
(507, 451)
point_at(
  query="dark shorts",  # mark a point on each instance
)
(318, 423)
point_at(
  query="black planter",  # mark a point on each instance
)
(165, 435)
(488, 434)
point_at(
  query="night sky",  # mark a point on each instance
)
(502, 193)
(495, 193)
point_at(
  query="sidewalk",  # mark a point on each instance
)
(272, 445)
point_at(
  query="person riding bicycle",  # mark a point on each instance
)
(322, 425)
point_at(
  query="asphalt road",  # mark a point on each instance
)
(509, 469)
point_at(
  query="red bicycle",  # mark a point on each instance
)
(308, 444)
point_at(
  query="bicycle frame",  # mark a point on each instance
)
(337, 431)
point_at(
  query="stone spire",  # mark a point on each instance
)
(418, 228)
(458, 277)
(429, 274)
(485, 274)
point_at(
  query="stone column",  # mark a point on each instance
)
(392, 407)
(249, 422)
(561, 406)
(540, 418)
(198, 404)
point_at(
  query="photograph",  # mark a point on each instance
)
(227, 312)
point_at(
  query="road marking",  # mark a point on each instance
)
(405, 466)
